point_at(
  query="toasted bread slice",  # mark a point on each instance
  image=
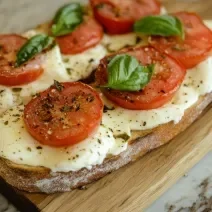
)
(40, 179)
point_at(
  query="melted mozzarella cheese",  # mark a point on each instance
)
(18, 146)
(163, 11)
(53, 70)
(114, 43)
(7, 98)
(81, 65)
(196, 83)
(78, 66)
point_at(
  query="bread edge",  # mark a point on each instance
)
(40, 179)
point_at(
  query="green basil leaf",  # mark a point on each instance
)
(125, 73)
(32, 47)
(67, 19)
(163, 25)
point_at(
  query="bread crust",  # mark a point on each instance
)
(40, 179)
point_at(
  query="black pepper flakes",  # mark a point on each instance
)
(73, 99)
(16, 115)
(100, 6)
(29, 149)
(65, 60)
(58, 86)
(90, 98)
(16, 120)
(66, 108)
(77, 108)
(37, 94)
(106, 108)
(16, 89)
(68, 71)
(123, 136)
(91, 60)
(111, 129)
(138, 39)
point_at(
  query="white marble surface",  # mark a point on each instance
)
(192, 193)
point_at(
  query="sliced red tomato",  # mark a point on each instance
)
(9, 74)
(118, 16)
(63, 115)
(85, 36)
(167, 77)
(196, 46)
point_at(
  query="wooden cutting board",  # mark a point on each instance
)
(135, 186)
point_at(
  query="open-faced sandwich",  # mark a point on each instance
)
(98, 87)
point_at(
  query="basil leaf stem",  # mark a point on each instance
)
(163, 25)
(67, 19)
(127, 74)
(32, 47)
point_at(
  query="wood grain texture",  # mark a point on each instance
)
(135, 186)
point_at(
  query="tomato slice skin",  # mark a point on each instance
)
(167, 78)
(85, 36)
(196, 46)
(118, 16)
(9, 74)
(66, 117)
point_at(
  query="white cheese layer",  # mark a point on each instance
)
(80, 66)
(196, 83)
(18, 146)
(56, 67)
(67, 67)
(53, 70)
